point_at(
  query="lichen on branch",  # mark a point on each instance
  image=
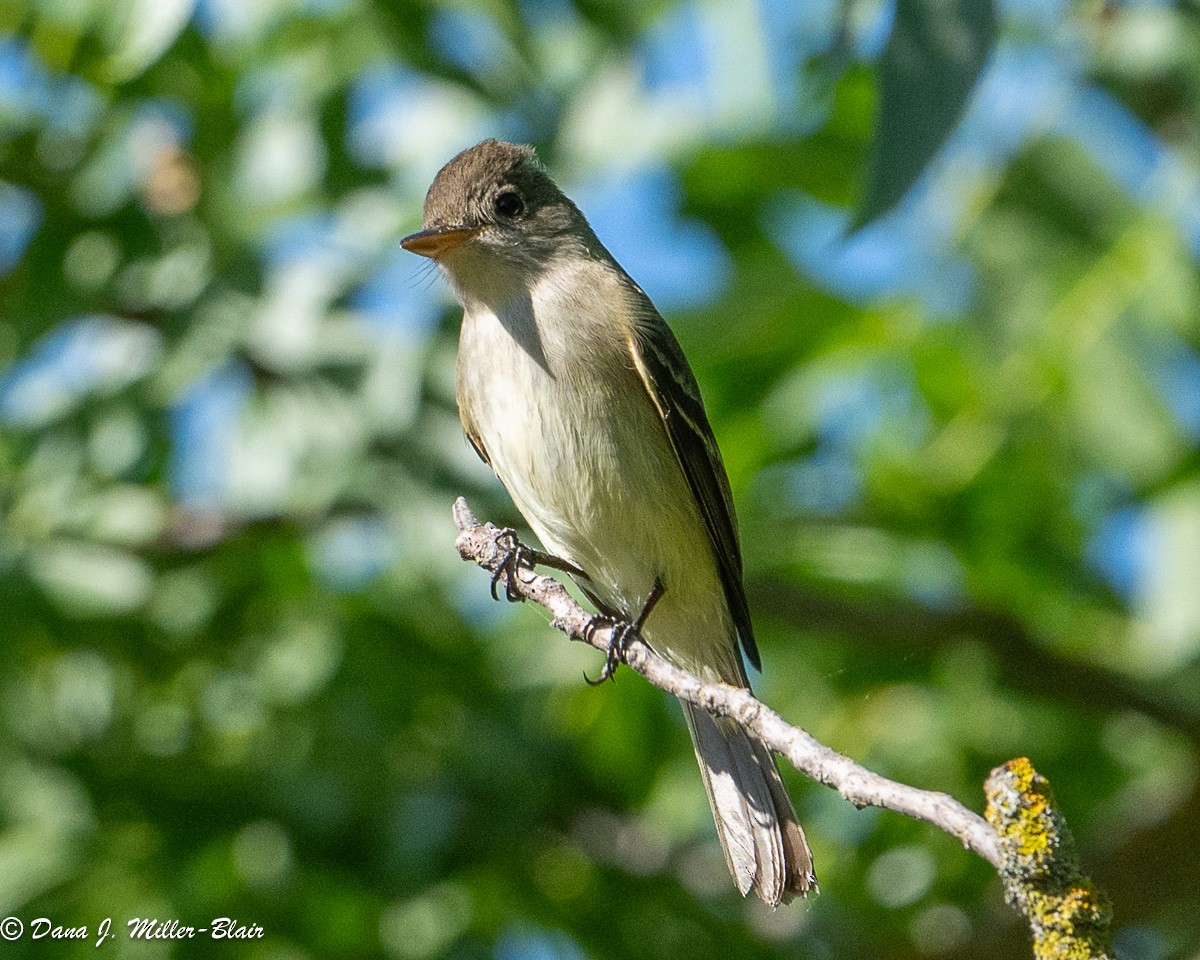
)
(1070, 917)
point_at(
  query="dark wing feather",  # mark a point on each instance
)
(659, 360)
(476, 444)
(469, 428)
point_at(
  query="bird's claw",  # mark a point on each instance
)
(615, 649)
(622, 632)
(515, 554)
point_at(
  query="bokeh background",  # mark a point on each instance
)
(244, 672)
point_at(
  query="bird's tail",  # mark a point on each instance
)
(763, 842)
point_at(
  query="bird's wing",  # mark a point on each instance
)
(469, 427)
(475, 441)
(669, 381)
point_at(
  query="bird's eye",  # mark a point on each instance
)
(508, 204)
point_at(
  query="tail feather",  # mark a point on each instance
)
(763, 842)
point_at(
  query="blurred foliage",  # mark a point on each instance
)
(934, 55)
(246, 674)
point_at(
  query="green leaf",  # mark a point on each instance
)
(140, 32)
(933, 58)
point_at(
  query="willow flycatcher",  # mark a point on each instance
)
(573, 389)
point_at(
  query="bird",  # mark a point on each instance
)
(573, 389)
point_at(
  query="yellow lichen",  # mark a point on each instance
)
(1069, 916)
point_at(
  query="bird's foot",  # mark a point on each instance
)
(517, 555)
(622, 631)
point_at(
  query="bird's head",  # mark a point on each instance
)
(493, 213)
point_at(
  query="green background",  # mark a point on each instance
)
(245, 673)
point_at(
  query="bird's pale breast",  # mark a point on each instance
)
(579, 445)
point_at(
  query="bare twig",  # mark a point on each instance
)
(854, 782)
(1024, 837)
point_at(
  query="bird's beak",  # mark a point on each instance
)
(436, 242)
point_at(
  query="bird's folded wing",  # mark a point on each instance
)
(664, 370)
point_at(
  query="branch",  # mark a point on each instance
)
(1068, 915)
(1004, 840)
(854, 782)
